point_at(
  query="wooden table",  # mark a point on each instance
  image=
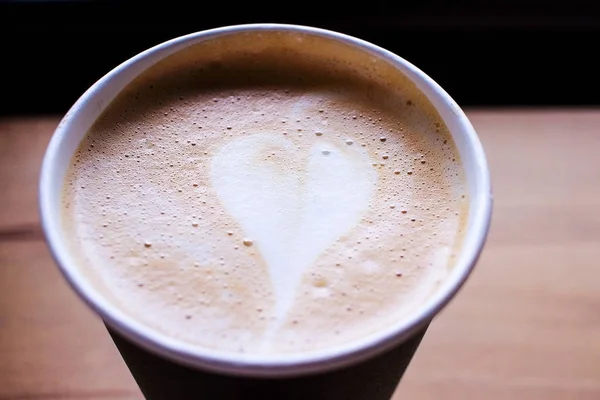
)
(526, 325)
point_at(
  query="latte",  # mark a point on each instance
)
(267, 193)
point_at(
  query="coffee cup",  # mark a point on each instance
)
(281, 369)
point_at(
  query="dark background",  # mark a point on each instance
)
(509, 53)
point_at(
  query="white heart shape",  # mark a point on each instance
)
(295, 206)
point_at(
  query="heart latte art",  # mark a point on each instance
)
(294, 208)
(267, 193)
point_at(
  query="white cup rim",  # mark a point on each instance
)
(276, 366)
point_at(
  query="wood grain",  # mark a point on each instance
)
(526, 325)
(22, 146)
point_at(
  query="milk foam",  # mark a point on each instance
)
(292, 215)
(291, 196)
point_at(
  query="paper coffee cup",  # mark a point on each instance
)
(93, 102)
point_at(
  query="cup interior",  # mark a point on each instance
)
(92, 103)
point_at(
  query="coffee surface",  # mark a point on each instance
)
(267, 193)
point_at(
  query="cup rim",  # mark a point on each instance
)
(263, 366)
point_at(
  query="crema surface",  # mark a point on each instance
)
(267, 193)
